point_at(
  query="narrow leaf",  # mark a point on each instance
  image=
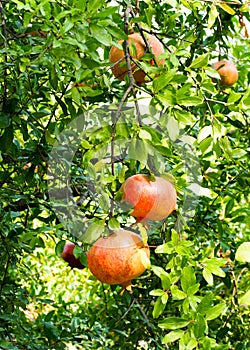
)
(227, 8)
(213, 14)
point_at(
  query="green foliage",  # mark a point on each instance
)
(70, 134)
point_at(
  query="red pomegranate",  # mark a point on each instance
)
(137, 48)
(118, 258)
(68, 256)
(151, 200)
(227, 71)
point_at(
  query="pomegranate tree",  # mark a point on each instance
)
(151, 200)
(118, 258)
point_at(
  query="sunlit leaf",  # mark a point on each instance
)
(173, 323)
(243, 252)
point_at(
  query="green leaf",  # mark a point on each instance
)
(233, 97)
(205, 304)
(208, 276)
(173, 128)
(68, 24)
(6, 139)
(166, 248)
(191, 344)
(229, 207)
(190, 100)
(137, 150)
(165, 282)
(188, 278)
(215, 311)
(144, 259)
(159, 271)
(226, 8)
(193, 289)
(59, 248)
(167, 98)
(159, 307)
(100, 34)
(213, 266)
(245, 299)
(104, 201)
(177, 293)
(81, 4)
(93, 232)
(163, 80)
(243, 252)
(149, 14)
(206, 144)
(113, 224)
(183, 248)
(200, 62)
(173, 323)
(172, 336)
(4, 120)
(200, 326)
(145, 135)
(204, 133)
(49, 138)
(156, 292)
(50, 330)
(213, 14)
(94, 5)
(164, 298)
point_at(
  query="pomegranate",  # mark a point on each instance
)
(227, 71)
(118, 258)
(151, 200)
(68, 256)
(117, 56)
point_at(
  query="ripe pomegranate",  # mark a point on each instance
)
(118, 258)
(227, 71)
(68, 256)
(135, 39)
(151, 200)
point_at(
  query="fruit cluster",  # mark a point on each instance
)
(123, 256)
(139, 45)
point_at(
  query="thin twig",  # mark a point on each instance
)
(125, 314)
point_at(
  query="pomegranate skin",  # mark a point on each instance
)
(116, 56)
(118, 258)
(227, 71)
(151, 200)
(68, 256)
